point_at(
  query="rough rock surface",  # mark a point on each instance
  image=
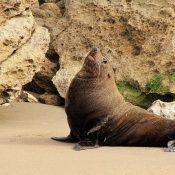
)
(47, 15)
(21, 66)
(63, 79)
(23, 46)
(51, 99)
(137, 36)
(14, 33)
(12, 8)
(164, 109)
(12, 95)
(41, 81)
(28, 97)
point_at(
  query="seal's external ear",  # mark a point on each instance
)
(114, 69)
(109, 76)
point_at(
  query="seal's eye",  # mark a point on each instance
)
(104, 60)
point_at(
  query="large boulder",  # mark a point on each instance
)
(137, 36)
(23, 45)
(21, 66)
(164, 109)
(47, 15)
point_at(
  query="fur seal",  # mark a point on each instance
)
(98, 115)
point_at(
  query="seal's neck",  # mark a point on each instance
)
(91, 83)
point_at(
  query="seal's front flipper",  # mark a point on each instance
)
(85, 144)
(69, 139)
(171, 146)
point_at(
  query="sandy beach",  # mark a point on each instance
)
(26, 148)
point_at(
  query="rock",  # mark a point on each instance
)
(34, 4)
(9, 96)
(137, 37)
(51, 0)
(46, 15)
(6, 104)
(12, 8)
(47, 10)
(14, 33)
(63, 78)
(168, 84)
(27, 97)
(48, 1)
(164, 109)
(23, 45)
(21, 66)
(41, 2)
(51, 99)
(41, 81)
(3, 101)
(135, 96)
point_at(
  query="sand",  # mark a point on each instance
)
(26, 148)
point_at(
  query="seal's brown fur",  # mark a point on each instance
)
(97, 112)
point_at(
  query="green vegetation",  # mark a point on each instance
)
(155, 84)
(154, 90)
(133, 95)
(123, 86)
(172, 76)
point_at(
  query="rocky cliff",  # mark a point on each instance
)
(136, 36)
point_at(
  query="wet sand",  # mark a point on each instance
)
(26, 148)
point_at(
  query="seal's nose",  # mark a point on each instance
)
(93, 52)
(94, 49)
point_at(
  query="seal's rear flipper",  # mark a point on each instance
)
(69, 139)
(85, 144)
(171, 146)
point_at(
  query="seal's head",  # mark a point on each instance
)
(95, 66)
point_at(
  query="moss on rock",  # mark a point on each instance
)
(172, 76)
(145, 97)
(155, 85)
(133, 94)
